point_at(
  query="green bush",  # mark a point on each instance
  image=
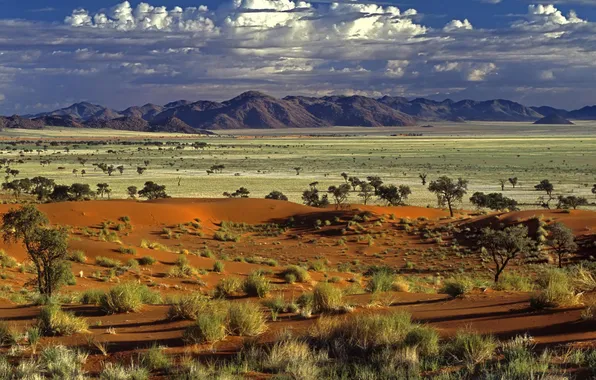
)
(218, 267)
(227, 287)
(8, 335)
(457, 287)
(327, 298)
(246, 319)
(106, 262)
(7, 261)
(188, 307)
(92, 297)
(556, 289)
(471, 348)
(209, 327)
(226, 236)
(77, 257)
(53, 321)
(381, 281)
(113, 371)
(425, 339)
(515, 282)
(61, 362)
(128, 297)
(147, 260)
(156, 359)
(127, 250)
(296, 359)
(297, 273)
(256, 285)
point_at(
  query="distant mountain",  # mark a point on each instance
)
(554, 119)
(146, 112)
(586, 113)
(352, 111)
(84, 111)
(257, 110)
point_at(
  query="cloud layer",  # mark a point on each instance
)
(149, 53)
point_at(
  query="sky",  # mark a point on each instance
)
(124, 53)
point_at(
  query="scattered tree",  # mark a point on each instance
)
(355, 182)
(298, 170)
(375, 182)
(393, 195)
(276, 195)
(367, 191)
(152, 190)
(141, 170)
(340, 194)
(502, 246)
(423, 178)
(311, 197)
(102, 189)
(240, 193)
(571, 201)
(345, 176)
(561, 240)
(513, 181)
(80, 191)
(547, 187)
(448, 191)
(502, 182)
(132, 192)
(493, 201)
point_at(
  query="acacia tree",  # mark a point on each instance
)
(367, 191)
(46, 247)
(355, 182)
(594, 189)
(502, 246)
(375, 181)
(276, 195)
(345, 176)
(513, 181)
(502, 183)
(423, 178)
(311, 197)
(393, 195)
(102, 189)
(132, 192)
(547, 187)
(339, 194)
(152, 190)
(571, 201)
(561, 240)
(448, 191)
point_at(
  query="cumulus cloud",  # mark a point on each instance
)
(455, 25)
(127, 55)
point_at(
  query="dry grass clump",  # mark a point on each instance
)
(246, 319)
(188, 307)
(457, 287)
(327, 298)
(53, 321)
(128, 297)
(556, 290)
(295, 273)
(256, 285)
(227, 287)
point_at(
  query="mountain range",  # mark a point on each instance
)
(256, 110)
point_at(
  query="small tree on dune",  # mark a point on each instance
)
(375, 181)
(276, 195)
(503, 246)
(312, 197)
(132, 192)
(79, 191)
(152, 190)
(548, 188)
(571, 201)
(45, 246)
(102, 189)
(448, 191)
(562, 240)
(367, 191)
(355, 182)
(393, 195)
(340, 194)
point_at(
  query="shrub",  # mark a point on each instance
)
(556, 290)
(246, 319)
(54, 321)
(424, 338)
(92, 297)
(113, 371)
(209, 327)
(471, 348)
(127, 297)
(8, 335)
(299, 274)
(127, 250)
(63, 363)
(295, 358)
(256, 285)
(218, 267)
(381, 281)
(227, 287)
(515, 282)
(156, 359)
(457, 287)
(107, 262)
(327, 298)
(188, 307)
(77, 257)
(147, 260)
(226, 236)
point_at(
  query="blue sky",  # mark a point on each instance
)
(121, 53)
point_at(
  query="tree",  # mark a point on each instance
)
(423, 178)
(80, 191)
(354, 182)
(561, 240)
(545, 186)
(240, 193)
(46, 247)
(120, 169)
(571, 201)
(102, 189)
(376, 182)
(505, 245)
(60, 193)
(340, 194)
(298, 170)
(111, 169)
(493, 201)
(276, 195)
(140, 170)
(393, 195)
(345, 176)
(42, 187)
(83, 172)
(367, 191)
(448, 191)
(75, 171)
(513, 181)
(152, 190)
(132, 192)
(311, 197)
(502, 182)
(594, 189)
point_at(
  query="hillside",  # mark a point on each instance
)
(554, 119)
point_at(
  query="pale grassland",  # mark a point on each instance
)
(564, 155)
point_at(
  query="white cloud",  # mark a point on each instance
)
(547, 17)
(455, 25)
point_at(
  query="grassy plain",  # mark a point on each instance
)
(266, 160)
